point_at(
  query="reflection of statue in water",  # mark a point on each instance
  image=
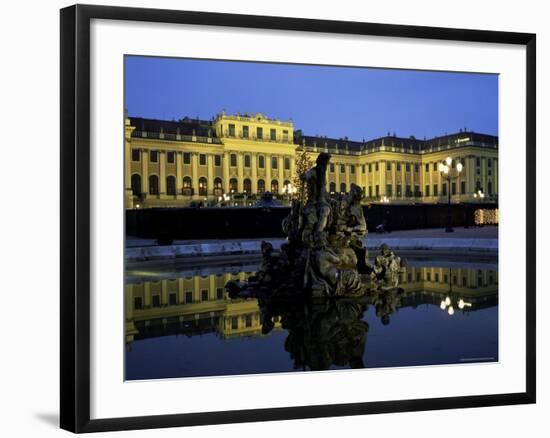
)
(324, 255)
(321, 334)
(386, 301)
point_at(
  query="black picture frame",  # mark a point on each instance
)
(75, 217)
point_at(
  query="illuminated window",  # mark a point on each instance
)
(218, 190)
(187, 186)
(275, 186)
(203, 190)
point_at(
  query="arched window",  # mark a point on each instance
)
(136, 184)
(233, 185)
(343, 187)
(490, 188)
(218, 190)
(286, 183)
(332, 187)
(203, 190)
(261, 161)
(170, 185)
(261, 186)
(187, 186)
(247, 186)
(275, 186)
(154, 185)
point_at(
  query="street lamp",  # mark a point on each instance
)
(479, 194)
(445, 170)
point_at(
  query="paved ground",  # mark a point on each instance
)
(473, 242)
(489, 232)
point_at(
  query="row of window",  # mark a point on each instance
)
(274, 188)
(245, 132)
(171, 158)
(173, 298)
(188, 189)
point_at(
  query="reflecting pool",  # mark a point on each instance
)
(181, 323)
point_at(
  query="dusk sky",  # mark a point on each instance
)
(329, 101)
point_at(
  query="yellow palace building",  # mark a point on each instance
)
(235, 157)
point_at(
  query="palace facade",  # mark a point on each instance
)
(236, 158)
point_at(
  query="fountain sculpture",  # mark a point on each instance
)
(324, 255)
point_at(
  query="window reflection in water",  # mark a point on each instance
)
(315, 336)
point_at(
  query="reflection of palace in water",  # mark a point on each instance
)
(198, 304)
(189, 306)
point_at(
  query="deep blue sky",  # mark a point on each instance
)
(332, 101)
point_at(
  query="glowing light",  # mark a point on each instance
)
(448, 160)
(450, 310)
(440, 167)
(459, 167)
(442, 305)
(448, 301)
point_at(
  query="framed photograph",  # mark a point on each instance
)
(268, 218)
